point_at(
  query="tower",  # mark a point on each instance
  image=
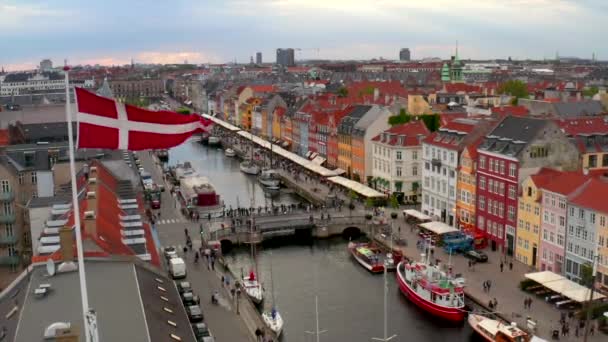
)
(445, 73)
(456, 68)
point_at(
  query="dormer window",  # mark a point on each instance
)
(401, 139)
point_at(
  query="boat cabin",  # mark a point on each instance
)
(501, 332)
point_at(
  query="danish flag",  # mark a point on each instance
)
(109, 124)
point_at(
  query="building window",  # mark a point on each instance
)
(592, 216)
(605, 163)
(6, 186)
(398, 155)
(427, 166)
(511, 213)
(482, 203)
(34, 177)
(536, 210)
(415, 170)
(482, 182)
(502, 167)
(21, 178)
(592, 160)
(398, 171)
(512, 169)
(482, 162)
(415, 155)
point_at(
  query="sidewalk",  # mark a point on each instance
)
(505, 287)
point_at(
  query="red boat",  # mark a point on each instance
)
(432, 289)
(371, 258)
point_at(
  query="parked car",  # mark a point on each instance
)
(170, 253)
(476, 255)
(155, 204)
(183, 287)
(177, 268)
(195, 314)
(189, 298)
(201, 332)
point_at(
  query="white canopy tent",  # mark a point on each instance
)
(222, 123)
(357, 187)
(438, 228)
(416, 214)
(563, 286)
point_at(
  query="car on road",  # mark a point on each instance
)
(183, 287)
(170, 253)
(476, 255)
(201, 332)
(189, 298)
(195, 314)
(177, 268)
(155, 204)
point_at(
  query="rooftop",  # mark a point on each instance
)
(589, 193)
(408, 134)
(116, 290)
(512, 134)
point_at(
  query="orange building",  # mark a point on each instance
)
(465, 188)
(246, 112)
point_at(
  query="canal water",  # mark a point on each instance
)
(350, 298)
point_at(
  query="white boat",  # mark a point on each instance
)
(196, 191)
(214, 141)
(493, 330)
(270, 178)
(250, 168)
(272, 318)
(253, 288)
(230, 152)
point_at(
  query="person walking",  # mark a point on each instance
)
(501, 266)
(258, 335)
(489, 285)
(510, 265)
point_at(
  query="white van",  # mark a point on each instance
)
(177, 268)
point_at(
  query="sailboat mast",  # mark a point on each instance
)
(317, 317)
(272, 282)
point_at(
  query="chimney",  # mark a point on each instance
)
(66, 244)
(376, 94)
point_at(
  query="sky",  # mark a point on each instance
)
(111, 32)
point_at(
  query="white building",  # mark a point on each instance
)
(46, 65)
(37, 84)
(397, 160)
(441, 153)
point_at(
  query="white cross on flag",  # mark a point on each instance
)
(106, 123)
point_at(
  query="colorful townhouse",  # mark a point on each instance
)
(333, 122)
(370, 125)
(441, 155)
(514, 149)
(345, 137)
(466, 188)
(249, 116)
(585, 214)
(277, 122)
(529, 216)
(590, 136)
(397, 159)
(554, 221)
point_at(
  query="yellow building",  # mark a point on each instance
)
(345, 153)
(465, 189)
(277, 118)
(529, 217)
(246, 112)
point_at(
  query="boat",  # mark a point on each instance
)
(195, 191)
(249, 168)
(230, 152)
(205, 138)
(494, 330)
(214, 141)
(370, 257)
(432, 289)
(270, 178)
(272, 318)
(253, 288)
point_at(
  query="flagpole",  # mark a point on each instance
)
(79, 248)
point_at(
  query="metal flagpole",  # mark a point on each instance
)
(89, 316)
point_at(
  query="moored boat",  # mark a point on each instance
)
(195, 191)
(230, 152)
(214, 141)
(205, 138)
(494, 330)
(368, 256)
(253, 288)
(273, 321)
(270, 178)
(249, 167)
(432, 289)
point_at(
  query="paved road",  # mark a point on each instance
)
(222, 320)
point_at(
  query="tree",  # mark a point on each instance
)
(400, 118)
(343, 92)
(394, 201)
(589, 92)
(183, 110)
(515, 88)
(415, 187)
(432, 121)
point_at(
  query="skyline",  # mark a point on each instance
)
(113, 33)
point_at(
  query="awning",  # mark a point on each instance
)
(563, 286)
(418, 215)
(438, 228)
(319, 160)
(308, 154)
(221, 123)
(357, 187)
(313, 155)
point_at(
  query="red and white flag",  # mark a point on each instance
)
(106, 123)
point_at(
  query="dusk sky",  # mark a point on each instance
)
(153, 31)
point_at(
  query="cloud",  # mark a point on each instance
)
(15, 15)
